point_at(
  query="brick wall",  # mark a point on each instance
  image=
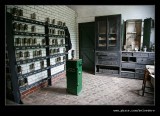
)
(59, 13)
(42, 84)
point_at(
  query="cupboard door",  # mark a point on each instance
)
(147, 32)
(108, 32)
(133, 35)
(112, 32)
(102, 27)
(101, 40)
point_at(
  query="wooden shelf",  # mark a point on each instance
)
(26, 20)
(28, 34)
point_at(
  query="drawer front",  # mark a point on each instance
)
(142, 60)
(145, 61)
(150, 61)
(140, 66)
(107, 54)
(140, 54)
(139, 76)
(127, 54)
(128, 75)
(128, 65)
(152, 55)
(140, 71)
(108, 62)
(107, 58)
(106, 71)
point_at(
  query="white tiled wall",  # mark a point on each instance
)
(57, 12)
(57, 69)
(26, 69)
(37, 77)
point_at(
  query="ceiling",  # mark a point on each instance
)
(78, 8)
(89, 10)
(95, 10)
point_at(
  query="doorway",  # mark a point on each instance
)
(87, 46)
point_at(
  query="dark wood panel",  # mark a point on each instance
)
(87, 46)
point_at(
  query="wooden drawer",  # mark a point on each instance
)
(107, 54)
(145, 61)
(139, 76)
(107, 71)
(107, 58)
(128, 65)
(150, 61)
(140, 71)
(127, 74)
(103, 62)
(127, 54)
(152, 55)
(140, 66)
(140, 54)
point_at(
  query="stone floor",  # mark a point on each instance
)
(96, 90)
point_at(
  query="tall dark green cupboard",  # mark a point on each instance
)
(148, 24)
(108, 44)
(74, 76)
